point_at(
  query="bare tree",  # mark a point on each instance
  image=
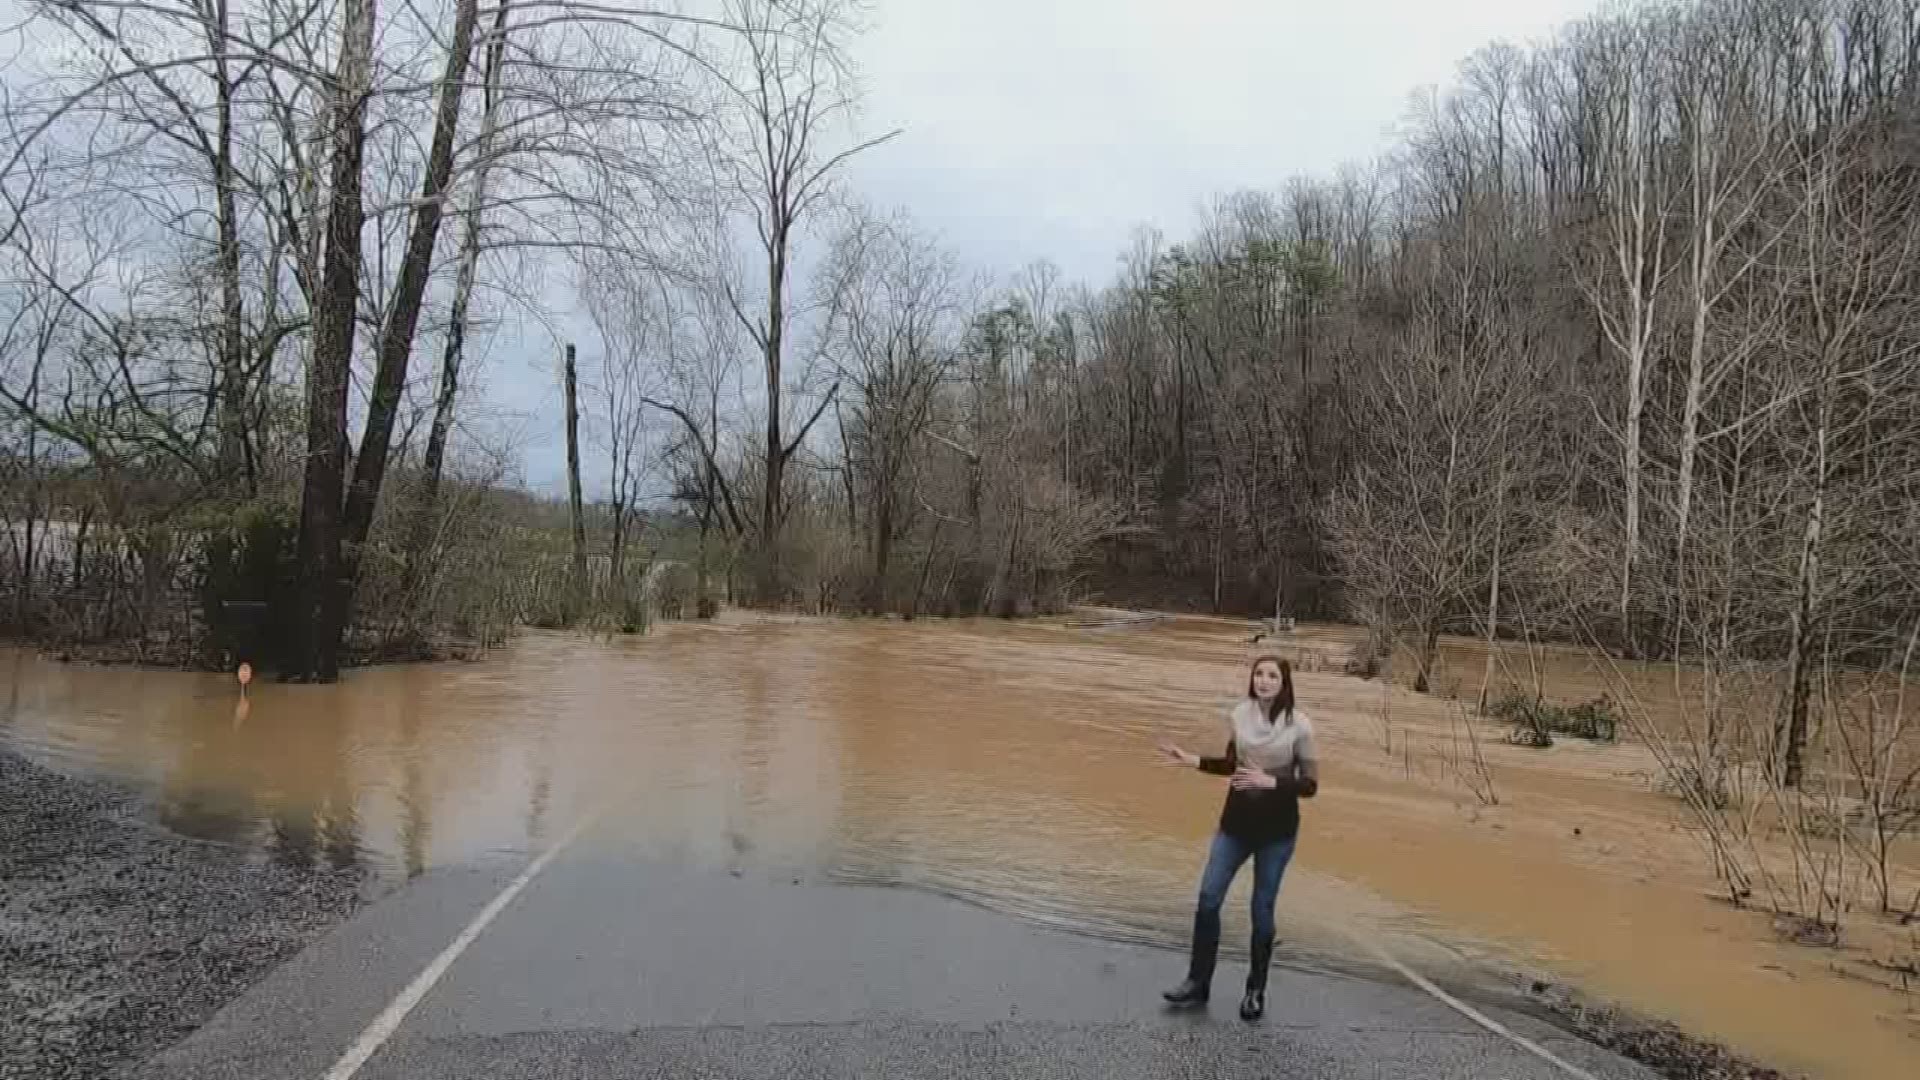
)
(403, 314)
(1731, 162)
(322, 614)
(453, 352)
(1851, 252)
(895, 338)
(1623, 91)
(185, 74)
(788, 91)
(633, 325)
(1429, 518)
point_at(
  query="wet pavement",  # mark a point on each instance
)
(610, 965)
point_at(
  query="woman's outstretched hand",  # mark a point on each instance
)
(1173, 755)
(1248, 778)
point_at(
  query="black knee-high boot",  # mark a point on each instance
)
(1206, 949)
(1260, 958)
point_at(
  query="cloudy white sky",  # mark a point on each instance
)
(1051, 129)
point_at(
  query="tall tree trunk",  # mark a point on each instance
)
(1702, 247)
(426, 513)
(396, 338)
(1177, 489)
(236, 464)
(1800, 659)
(1000, 599)
(82, 531)
(1800, 654)
(1429, 651)
(1634, 253)
(772, 503)
(35, 488)
(1219, 536)
(322, 616)
(882, 552)
(848, 455)
(617, 545)
(622, 601)
(703, 605)
(576, 510)
(1279, 588)
(1630, 556)
(976, 509)
(926, 567)
(29, 555)
(1493, 596)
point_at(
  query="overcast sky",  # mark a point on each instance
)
(1052, 128)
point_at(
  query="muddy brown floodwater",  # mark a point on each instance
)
(1010, 765)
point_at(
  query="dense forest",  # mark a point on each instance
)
(1616, 345)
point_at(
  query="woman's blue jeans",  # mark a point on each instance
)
(1223, 862)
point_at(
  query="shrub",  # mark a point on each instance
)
(1594, 720)
(1524, 735)
(1709, 790)
(249, 556)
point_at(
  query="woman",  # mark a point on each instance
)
(1271, 758)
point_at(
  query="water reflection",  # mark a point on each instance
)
(219, 783)
(16, 668)
(210, 816)
(413, 799)
(540, 792)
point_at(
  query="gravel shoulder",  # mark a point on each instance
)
(118, 938)
(1660, 1046)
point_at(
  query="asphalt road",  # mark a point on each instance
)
(608, 967)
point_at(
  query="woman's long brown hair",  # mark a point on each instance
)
(1283, 701)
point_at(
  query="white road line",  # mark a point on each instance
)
(1470, 1012)
(377, 1033)
(383, 1027)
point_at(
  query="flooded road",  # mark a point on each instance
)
(1006, 765)
(1010, 765)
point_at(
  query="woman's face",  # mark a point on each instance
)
(1266, 680)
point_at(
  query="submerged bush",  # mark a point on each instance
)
(247, 558)
(1541, 720)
